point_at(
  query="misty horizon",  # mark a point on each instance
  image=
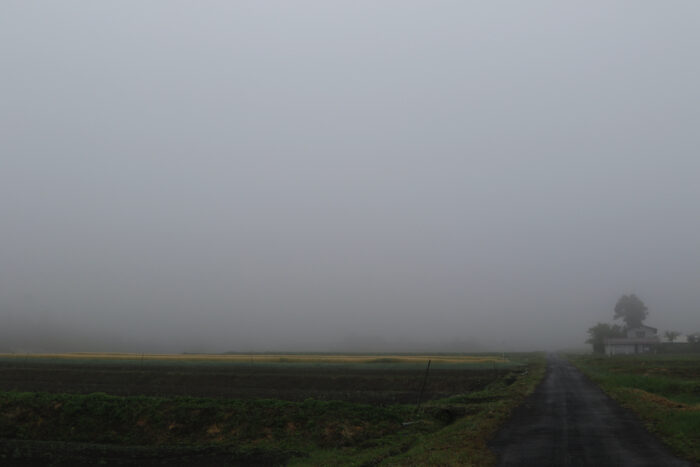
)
(361, 176)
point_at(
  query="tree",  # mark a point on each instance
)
(632, 310)
(602, 331)
(671, 335)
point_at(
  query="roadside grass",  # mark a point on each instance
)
(451, 430)
(663, 390)
(475, 419)
(465, 441)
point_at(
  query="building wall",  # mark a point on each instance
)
(627, 349)
(619, 349)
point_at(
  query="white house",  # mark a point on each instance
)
(642, 339)
(680, 339)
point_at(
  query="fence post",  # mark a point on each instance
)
(425, 380)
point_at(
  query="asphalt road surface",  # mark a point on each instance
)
(569, 421)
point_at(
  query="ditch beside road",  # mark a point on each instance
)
(569, 421)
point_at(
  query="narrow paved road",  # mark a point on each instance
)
(569, 421)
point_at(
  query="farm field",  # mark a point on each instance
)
(374, 379)
(664, 390)
(269, 409)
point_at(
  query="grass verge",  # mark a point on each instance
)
(465, 441)
(664, 391)
(470, 421)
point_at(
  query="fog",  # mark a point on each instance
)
(331, 176)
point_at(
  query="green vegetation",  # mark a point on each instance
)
(372, 420)
(465, 441)
(276, 426)
(664, 390)
(631, 310)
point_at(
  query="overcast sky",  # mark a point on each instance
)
(367, 175)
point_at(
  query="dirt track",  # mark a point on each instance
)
(568, 421)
